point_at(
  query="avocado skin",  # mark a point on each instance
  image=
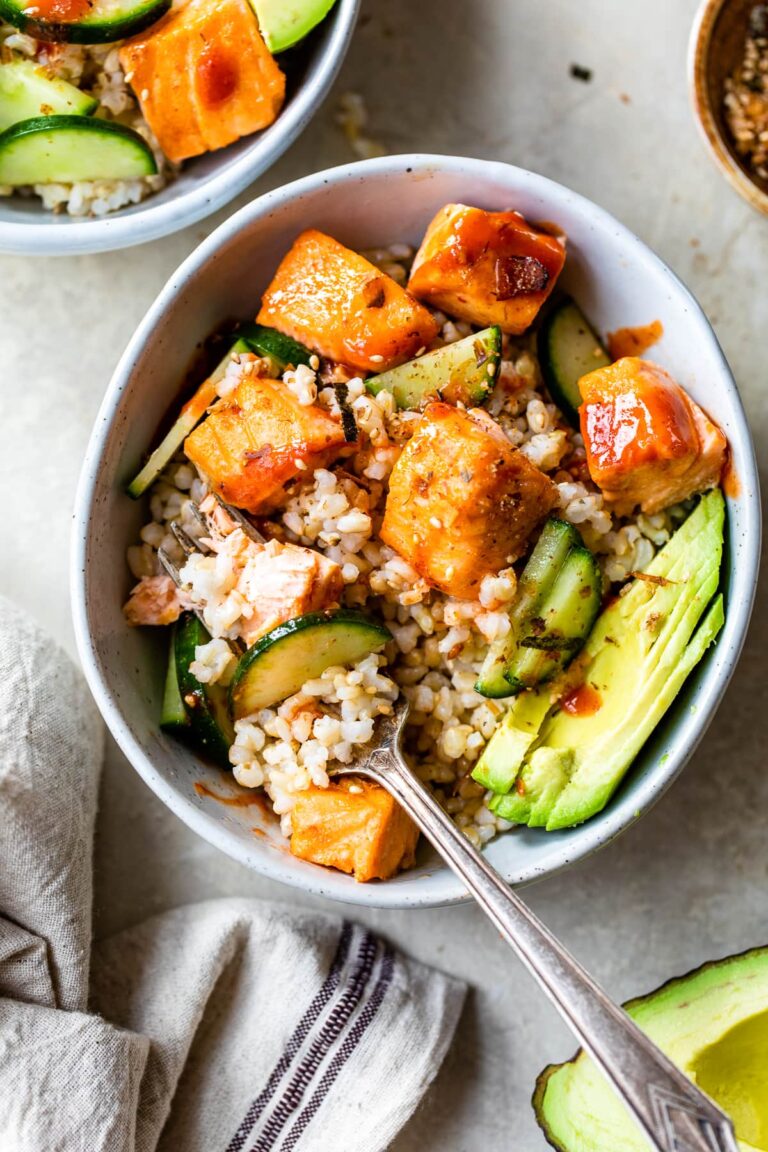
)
(742, 971)
(637, 657)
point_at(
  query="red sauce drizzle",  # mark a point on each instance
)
(235, 799)
(731, 483)
(634, 341)
(217, 75)
(64, 11)
(583, 701)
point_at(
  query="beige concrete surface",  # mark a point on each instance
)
(490, 79)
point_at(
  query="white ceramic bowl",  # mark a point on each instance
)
(204, 184)
(617, 280)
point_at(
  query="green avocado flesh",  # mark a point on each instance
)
(712, 1023)
(634, 663)
(284, 23)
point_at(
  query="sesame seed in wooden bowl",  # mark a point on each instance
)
(728, 75)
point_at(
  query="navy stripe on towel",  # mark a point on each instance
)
(343, 1053)
(299, 1035)
(348, 998)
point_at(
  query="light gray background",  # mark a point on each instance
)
(488, 78)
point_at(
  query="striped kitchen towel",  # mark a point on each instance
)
(225, 1026)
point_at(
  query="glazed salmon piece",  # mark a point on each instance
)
(203, 77)
(340, 305)
(486, 267)
(353, 825)
(462, 501)
(260, 438)
(648, 443)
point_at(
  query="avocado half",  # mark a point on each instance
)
(713, 1023)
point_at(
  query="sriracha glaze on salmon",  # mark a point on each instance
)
(486, 267)
(204, 77)
(462, 502)
(342, 305)
(258, 439)
(648, 443)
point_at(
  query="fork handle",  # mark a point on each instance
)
(674, 1114)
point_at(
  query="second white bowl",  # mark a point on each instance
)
(204, 184)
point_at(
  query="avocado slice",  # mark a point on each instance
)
(284, 23)
(713, 1023)
(512, 740)
(634, 663)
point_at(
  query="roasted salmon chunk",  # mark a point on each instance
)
(282, 581)
(462, 501)
(648, 443)
(258, 439)
(342, 306)
(353, 825)
(486, 267)
(203, 76)
(154, 600)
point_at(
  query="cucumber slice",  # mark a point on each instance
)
(568, 349)
(173, 717)
(557, 539)
(209, 729)
(284, 24)
(463, 372)
(559, 629)
(190, 415)
(67, 149)
(26, 91)
(82, 21)
(279, 663)
(285, 352)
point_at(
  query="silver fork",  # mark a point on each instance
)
(672, 1112)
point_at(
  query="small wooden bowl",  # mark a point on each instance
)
(716, 48)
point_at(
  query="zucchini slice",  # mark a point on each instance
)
(557, 539)
(561, 625)
(67, 149)
(279, 663)
(173, 717)
(190, 415)
(284, 351)
(82, 21)
(26, 91)
(463, 372)
(568, 349)
(209, 727)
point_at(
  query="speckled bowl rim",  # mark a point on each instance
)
(439, 887)
(718, 147)
(152, 220)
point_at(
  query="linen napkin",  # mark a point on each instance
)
(226, 1026)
